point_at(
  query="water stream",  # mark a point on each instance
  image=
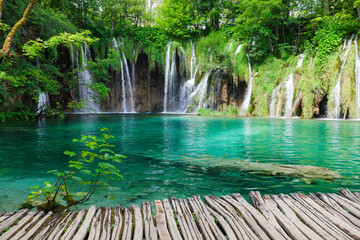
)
(246, 104)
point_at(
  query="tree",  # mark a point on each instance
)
(5, 51)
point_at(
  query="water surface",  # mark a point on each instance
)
(164, 152)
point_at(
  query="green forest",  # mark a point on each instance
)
(38, 39)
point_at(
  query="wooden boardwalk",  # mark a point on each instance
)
(294, 216)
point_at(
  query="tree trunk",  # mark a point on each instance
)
(357, 9)
(9, 38)
(2, 2)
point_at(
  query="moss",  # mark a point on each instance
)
(348, 89)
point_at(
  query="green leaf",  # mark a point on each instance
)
(71, 154)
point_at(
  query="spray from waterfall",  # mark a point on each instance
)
(85, 80)
(357, 77)
(336, 93)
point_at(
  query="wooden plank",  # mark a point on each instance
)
(334, 219)
(139, 229)
(318, 212)
(345, 204)
(106, 225)
(6, 216)
(18, 226)
(45, 232)
(224, 222)
(259, 203)
(201, 220)
(60, 227)
(150, 229)
(194, 231)
(334, 205)
(256, 229)
(308, 218)
(127, 233)
(73, 226)
(22, 231)
(260, 219)
(82, 232)
(213, 226)
(161, 221)
(285, 223)
(170, 220)
(117, 223)
(349, 195)
(185, 229)
(37, 226)
(290, 214)
(96, 223)
(10, 221)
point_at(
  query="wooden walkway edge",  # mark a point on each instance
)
(293, 216)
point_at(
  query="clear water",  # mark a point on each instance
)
(167, 154)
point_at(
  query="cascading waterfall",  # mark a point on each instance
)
(289, 90)
(85, 79)
(198, 97)
(238, 49)
(128, 102)
(246, 104)
(335, 95)
(43, 101)
(189, 86)
(357, 77)
(167, 73)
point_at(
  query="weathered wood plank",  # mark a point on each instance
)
(106, 225)
(60, 227)
(81, 233)
(10, 221)
(35, 228)
(349, 195)
(161, 221)
(6, 216)
(117, 223)
(256, 229)
(338, 222)
(225, 224)
(195, 232)
(214, 228)
(186, 233)
(27, 226)
(341, 211)
(139, 229)
(290, 214)
(201, 220)
(127, 233)
(73, 226)
(259, 203)
(96, 223)
(345, 204)
(285, 223)
(260, 219)
(150, 229)
(18, 226)
(171, 223)
(46, 231)
(307, 217)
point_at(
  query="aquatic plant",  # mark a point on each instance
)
(94, 166)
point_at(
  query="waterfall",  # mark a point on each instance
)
(85, 80)
(198, 97)
(335, 95)
(357, 77)
(126, 75)
(124, 105)
(238, 49)
(289, 90)
(43, 101)
(167, 73)
(246, 103)
(188, 86)
(133, 69)
(274, 98)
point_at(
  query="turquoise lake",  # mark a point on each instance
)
(168, 154)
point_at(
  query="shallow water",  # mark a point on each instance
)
(168, 154)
